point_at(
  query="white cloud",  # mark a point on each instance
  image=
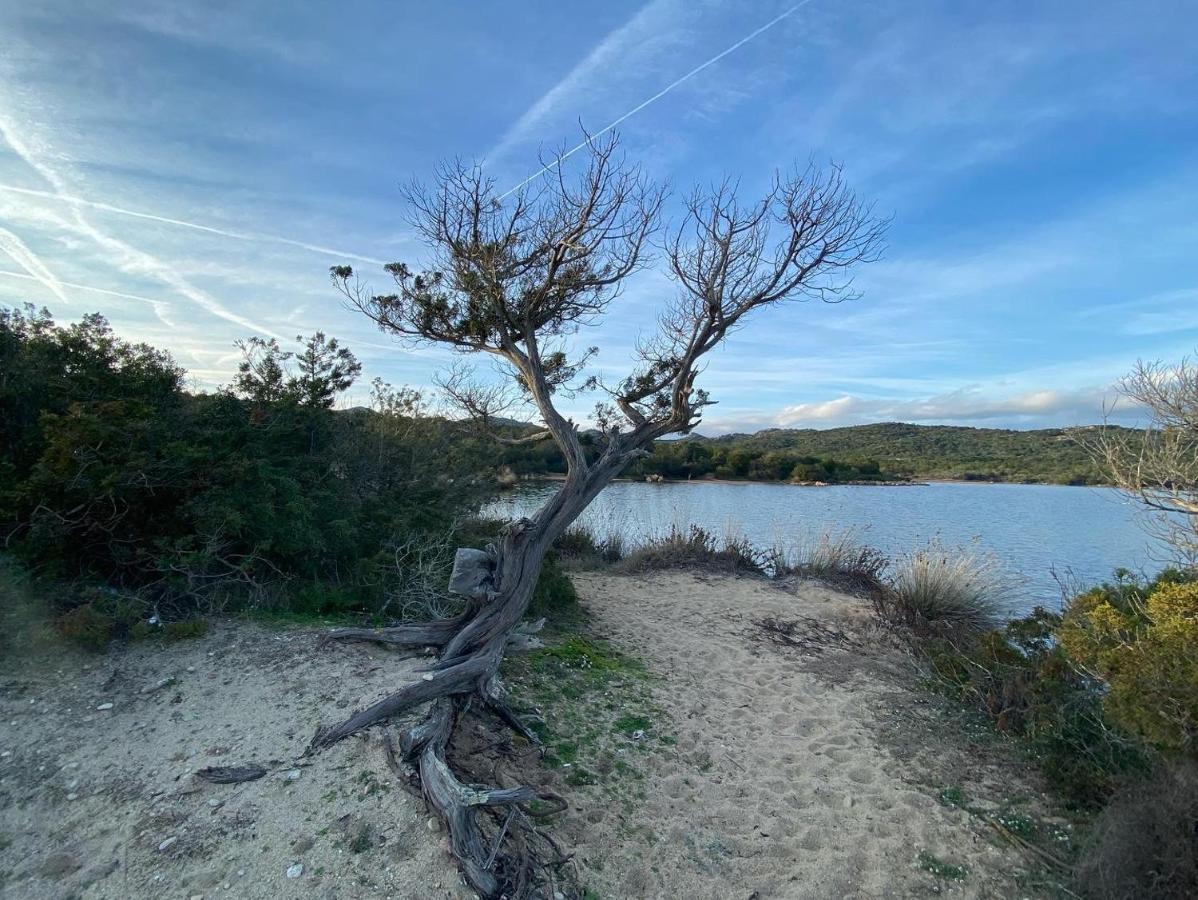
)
(1043, 408)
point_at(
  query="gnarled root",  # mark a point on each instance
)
(492, 832)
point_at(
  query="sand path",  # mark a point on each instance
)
(784, 786)
(782, 783)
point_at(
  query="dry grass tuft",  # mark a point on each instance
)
(960, 591)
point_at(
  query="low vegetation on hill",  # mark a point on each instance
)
(863, 453)
(935, 451)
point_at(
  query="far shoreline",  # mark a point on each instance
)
(921, 482)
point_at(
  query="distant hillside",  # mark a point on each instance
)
(863, 453)
(933, 451)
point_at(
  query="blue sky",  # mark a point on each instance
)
(1040, 161)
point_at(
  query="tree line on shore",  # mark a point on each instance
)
(884, 452)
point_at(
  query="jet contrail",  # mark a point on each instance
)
(18, 251)
(237, 235)
(669, 87)
(161, 307)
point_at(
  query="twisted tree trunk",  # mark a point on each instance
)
(468, 651)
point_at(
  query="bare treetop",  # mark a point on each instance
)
(513, 279)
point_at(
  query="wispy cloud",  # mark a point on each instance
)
(194, 226)
(647, 34)
(20, 253)
(161, 307)
(130, 259)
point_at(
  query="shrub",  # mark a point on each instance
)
(1145, 843)
(96, 616)
(949, 591)
(258, 496)
(1144, 644)
(1023, 680)
(185, 629)
(554, 597)
(698, 548)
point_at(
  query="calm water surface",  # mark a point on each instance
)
(1032, 528)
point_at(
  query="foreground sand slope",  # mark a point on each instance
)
(789, 778)
(789, 781)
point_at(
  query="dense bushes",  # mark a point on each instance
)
(260, 494)
(1105, 698)
(1145, 843)
(1143, 643)
(1023, 680)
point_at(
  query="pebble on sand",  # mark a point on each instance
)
(295, 871)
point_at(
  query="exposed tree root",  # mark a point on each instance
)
(492, 831)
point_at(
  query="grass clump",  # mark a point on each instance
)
(698, 548)
(947, 591)
(581, 545)
(839, 559)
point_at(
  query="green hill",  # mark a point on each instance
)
(930, 451)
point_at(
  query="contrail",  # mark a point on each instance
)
(161, 307)
(236, 235)
(669, 87)
(126, 257)
(18, 251)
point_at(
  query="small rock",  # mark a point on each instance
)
(427, 676)
(72, 796)
(848, 801)
(434, 825)
(104, 706)
(214, 803)
(558, 895)
(295, 871)
(157, 685)
(638, 734)
(166, 845)
(293, 775)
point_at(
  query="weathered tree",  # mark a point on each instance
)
(515, 281)
(1159, 468)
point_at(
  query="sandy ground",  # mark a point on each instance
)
(806, 772)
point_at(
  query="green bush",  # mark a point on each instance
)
(260, 495)
(1024, 681)
(554, 597)
(1143, 643)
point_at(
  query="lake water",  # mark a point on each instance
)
(1033, 529)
